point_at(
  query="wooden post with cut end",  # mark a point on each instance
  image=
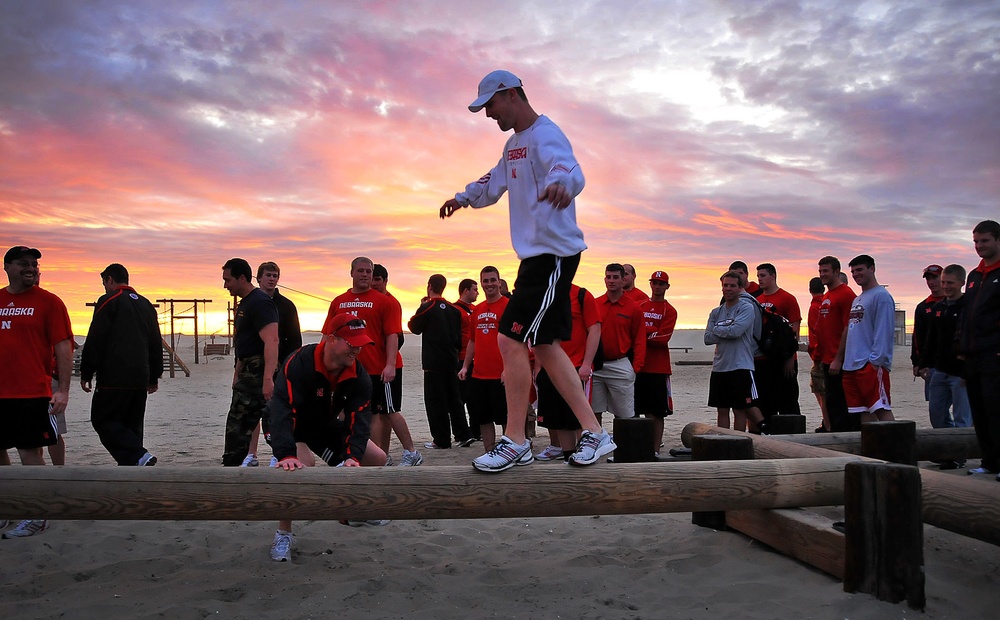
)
(786, 424)
(634, 438)
(884, 532)
(894, 441)
(718, 448)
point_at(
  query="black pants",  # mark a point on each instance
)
(836, 403)
(117, 415)
(445, 410)
(778, 394)
(982, 381)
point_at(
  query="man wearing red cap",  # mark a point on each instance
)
(33, 324)
(322, 405)
(542, 178)
(653, 397)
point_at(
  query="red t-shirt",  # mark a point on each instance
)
(382, 316)
(813, 325)
(399, 310)
(834, 311)
(485, 319)
(583, 319)
(660, 317)
(32, 323)
(466, 313)
(622, 328)
(784, 303)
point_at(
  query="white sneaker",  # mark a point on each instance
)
(411, 459)
(274, 462)
(28, 527)
(591, 448)
(147, 460)
(372, 522)
(504, 455)
(281, 548)
(550, 453)
(250, 461)
(388, 460)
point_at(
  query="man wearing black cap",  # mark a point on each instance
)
(33, 324)
(541, 176)
(322, 405)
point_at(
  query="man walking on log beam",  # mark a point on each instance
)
(979, 343)
(543, 178)
(322, 405)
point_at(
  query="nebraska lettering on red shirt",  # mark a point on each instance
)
(32, 323)
(382, 317)
(487, 363)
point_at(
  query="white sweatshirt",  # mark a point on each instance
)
(534, 159)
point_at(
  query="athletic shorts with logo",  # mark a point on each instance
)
(734, 389)
(387, 397)
(539, 310)
(27, 423)
(867, 389)
(653, 395)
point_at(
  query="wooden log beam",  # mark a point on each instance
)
(264, 494)
(803, 535)
(958, 504)
(932, 443)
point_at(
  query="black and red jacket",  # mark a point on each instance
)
(123, 346)
(979, 328)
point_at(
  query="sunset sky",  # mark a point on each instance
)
(170, 136)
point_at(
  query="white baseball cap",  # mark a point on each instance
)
(491, 85)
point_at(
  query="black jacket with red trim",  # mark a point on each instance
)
(123, 346)
(303, 390)
(441, 325)
(979, 327)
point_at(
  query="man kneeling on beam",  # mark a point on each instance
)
(322, 405)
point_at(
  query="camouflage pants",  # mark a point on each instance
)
(245, 410)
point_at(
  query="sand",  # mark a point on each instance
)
(648, 566)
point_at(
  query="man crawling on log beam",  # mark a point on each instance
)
(322, 405)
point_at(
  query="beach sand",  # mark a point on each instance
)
(644, 566)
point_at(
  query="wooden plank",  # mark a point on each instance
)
(216, 493)
(797, 533)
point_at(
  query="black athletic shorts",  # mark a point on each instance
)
(553, 412)
(539, 310)
(734, 389)
(387, 398)
(487, 401)
(652, 394)
(27, 423)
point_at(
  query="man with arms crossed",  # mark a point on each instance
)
(867, 350)
(979, 343)
(543, 177)
(732, 327)
(255, 340)
(322, 405)
(33, 324)
(623, 333)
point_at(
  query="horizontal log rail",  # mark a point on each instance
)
(245, 494)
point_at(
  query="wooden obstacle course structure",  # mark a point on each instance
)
(264, 494)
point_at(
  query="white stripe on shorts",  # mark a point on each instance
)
(547, 299)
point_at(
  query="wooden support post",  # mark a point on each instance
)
(893, 441)
(786, 424)
(884, 532)
(264, 493)
(718, 448)
(634, 438)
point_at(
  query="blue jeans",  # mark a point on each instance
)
(947, 392)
